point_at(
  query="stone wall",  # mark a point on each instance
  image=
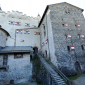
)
(3, 37)
(20, 69)
(66, 59)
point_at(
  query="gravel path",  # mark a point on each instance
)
(80, 80)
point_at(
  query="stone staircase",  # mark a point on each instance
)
(56, 78)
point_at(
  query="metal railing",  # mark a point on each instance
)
(58, 71)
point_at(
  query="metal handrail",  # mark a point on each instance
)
(61, 74)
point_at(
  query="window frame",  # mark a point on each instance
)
(16, 57)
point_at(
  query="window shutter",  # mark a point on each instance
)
(17, 31)
(82, 35)
(42, 44)
(46, 41)
(19, 23)
(25, 24)
(29, 25)
(28, 32)
(15, 23)
(72, 48)
(66, 25)
(69, 35)
(21, 32)
(78, 25)
(63, 6)
(33, 26)
(84, 46)
(35, 33)
(9, 22)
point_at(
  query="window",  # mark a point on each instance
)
(19, 32)
(65, 12)
(11, 23)
(68, 48)
(37, 33)
(44, 28)
(18, 23)
(5, 58)
(27, 25)
(11, 81)
(18, 56)
(82, 47)
(26, 32)
(63, 25)
(65, 36)
(78, 35)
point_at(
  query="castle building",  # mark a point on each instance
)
(59, 35)
(62, 28)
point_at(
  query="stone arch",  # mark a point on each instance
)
(5, 31)
(35, 49)
(77, 67)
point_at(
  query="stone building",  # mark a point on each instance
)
(19, 35)
(59, 35)
(62, 28)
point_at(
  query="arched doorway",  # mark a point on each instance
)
(77, 67)
(35, 50)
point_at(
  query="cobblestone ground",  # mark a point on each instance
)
(80, 80)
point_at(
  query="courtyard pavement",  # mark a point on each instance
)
(80, 80)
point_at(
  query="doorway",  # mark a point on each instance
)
(77, 67)
(35, 50)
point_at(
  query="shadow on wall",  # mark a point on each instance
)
(35, 50)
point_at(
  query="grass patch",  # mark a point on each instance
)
(39, 83)
(74, 77)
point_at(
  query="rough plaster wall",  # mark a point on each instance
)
(29, 39)
(2, 39)
(4, 22)
(49, 35)
(58, 17)
(1, 59)
(20, 69)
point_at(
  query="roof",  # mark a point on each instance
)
(52, 5)
(16, 49)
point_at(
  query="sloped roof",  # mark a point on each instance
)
(16, 49)
(52, 5)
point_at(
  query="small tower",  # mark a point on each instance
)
(38, 17)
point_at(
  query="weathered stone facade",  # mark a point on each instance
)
(17, 69)
(3, 37)
(65, 19)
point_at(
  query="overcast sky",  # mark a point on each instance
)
(33, 7)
